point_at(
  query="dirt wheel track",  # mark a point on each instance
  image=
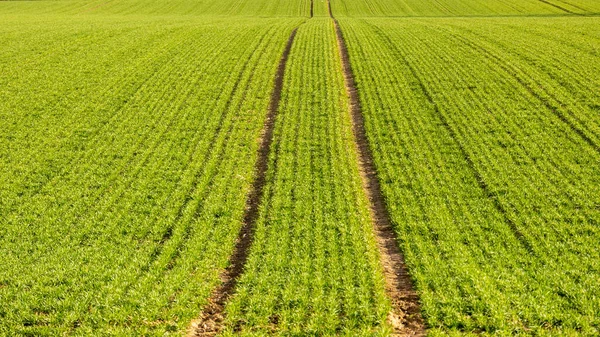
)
(210, 322)
(405, 318)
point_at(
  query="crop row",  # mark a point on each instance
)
(130, 157)
(313, 267)
(494, 194)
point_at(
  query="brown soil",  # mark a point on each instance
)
(405, 317)
(210, 322)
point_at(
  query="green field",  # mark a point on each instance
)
(132, 134)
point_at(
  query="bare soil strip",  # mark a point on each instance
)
(210, 322)
(405, 317)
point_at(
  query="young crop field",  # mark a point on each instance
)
(299, 168)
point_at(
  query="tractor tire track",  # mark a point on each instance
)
(211, 321)
(405, 317)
